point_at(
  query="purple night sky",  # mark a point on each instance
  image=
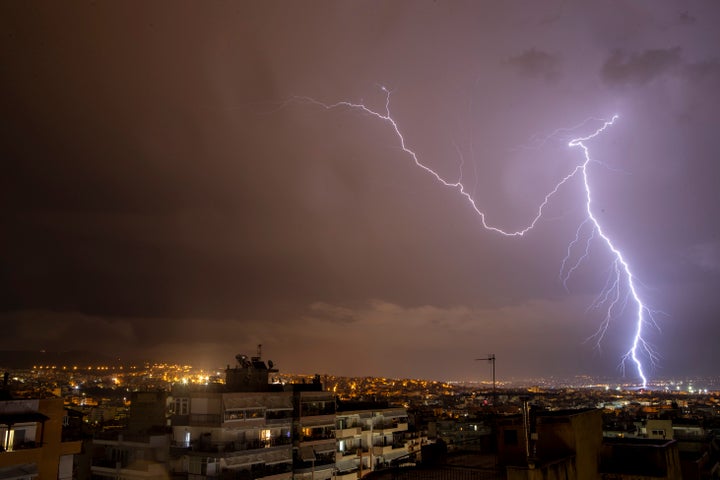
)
(162, 195)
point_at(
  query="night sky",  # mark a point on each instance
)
(165, 194)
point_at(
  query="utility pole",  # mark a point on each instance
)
(491, 358)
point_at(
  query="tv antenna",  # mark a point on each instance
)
(491, 358)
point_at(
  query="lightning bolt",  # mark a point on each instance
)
(611, 296)
(620, 271)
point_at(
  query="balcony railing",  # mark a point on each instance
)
(278, 421)
(259, 471)
(280, 415)
(231, 447)
(180, 420)
(347, 432)
(117, 436)
(389, 444)
(107, 463)
(310, 468)
(148, 466)
(205, 419)
(390, 426)
(347, 475)
(139, 465)
(22, 446)
(307, 410)
(342, 424)
(254, 444)
(318, 436)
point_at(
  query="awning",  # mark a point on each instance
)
(307, 454)
(325, 448)
(22, 417)
(318, 422)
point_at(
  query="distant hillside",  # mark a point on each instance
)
(28, 358)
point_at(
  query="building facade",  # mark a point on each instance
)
(31, 440)
(370, 438)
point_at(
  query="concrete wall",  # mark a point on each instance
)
(559, 470)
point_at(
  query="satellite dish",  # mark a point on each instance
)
(270, 362)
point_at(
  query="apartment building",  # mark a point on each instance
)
(254, 429)
(138, 452)
(233, 435)
(368, 438)
(31, 441)
(314, 431)
(129, 456)
(250, 428)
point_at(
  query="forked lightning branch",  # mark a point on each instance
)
(620, 292)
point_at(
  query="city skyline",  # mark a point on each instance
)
(165, 196)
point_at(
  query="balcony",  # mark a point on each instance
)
(278, 422)
(278, 416)
(234, 447)
(348, 452)
(113, 436)
(278, 476)
(317, 437)
(316, 433)
(257, 471)
(205, 420)
(196, 419)
(107, 463)
(276, 469)
(389, 427)
(316, 468)
(347, 432)
(180, 420)
(22, 446)
(385, 449)
(314, 409)
(349, 475)
(138, 468)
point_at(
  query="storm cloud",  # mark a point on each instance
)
(166, 194)
(640, 68)
(536, 63)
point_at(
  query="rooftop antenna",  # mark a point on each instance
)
(491, 358)
(258, 357)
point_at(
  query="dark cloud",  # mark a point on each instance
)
(706, 256)
(706, 70)
(639, 68)
(160, 194)
(63, 331)
(536, 63)
(686, 18)
(332, 313)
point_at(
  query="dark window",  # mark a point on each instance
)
(510, 437)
